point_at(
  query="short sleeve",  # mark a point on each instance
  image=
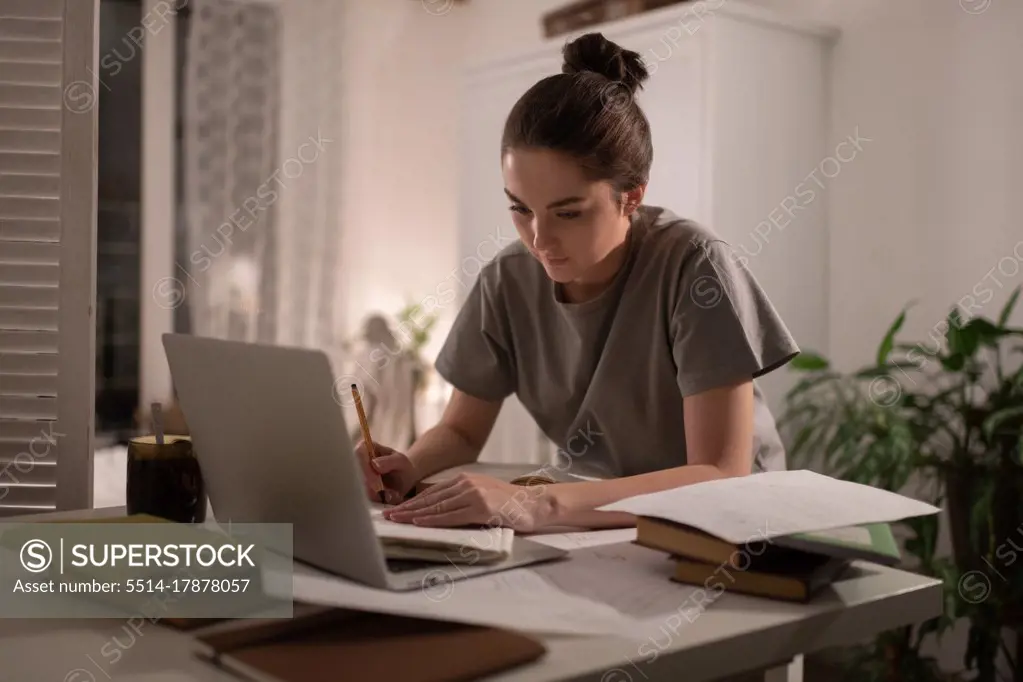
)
(723, 326)
(477, 356)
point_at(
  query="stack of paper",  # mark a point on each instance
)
(443, 545)
(518, 598)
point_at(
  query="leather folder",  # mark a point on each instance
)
(353, 645)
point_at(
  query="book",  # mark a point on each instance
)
(365, 646)
(871, 542)
(775, 504)
(785, 577)
(442, 545)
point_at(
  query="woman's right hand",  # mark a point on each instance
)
(394, 468)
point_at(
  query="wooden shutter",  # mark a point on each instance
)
(48, 58)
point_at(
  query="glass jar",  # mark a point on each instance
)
(165, 480)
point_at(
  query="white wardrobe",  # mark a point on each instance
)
(738, 106)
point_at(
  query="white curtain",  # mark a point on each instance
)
(310, 211)
(260, 169)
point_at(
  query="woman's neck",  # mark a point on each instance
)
(600, 276)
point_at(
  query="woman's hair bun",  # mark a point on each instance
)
(593, 52)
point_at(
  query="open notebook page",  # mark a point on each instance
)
(469, 542)
(772, 504)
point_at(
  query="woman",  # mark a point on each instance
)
(632, 336)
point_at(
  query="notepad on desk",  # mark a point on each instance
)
(456, 545)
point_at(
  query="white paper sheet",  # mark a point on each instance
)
(770, 504)
(579, 540)
(496, 542)
(630, 578)
(517, 598)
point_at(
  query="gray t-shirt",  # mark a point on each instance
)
(605, 379)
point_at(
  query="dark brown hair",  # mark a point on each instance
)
(589, 112)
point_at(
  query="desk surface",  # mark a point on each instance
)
(735, 634)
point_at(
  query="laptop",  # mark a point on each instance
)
(273, 447)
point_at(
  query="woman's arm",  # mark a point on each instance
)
(719, 436)
(458, 438)
(719, 443)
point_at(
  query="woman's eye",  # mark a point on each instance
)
(569, 215)
(518, 209)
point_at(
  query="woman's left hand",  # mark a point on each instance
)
(470, 499)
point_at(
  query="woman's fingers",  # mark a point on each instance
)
(460, 517)
(430, 496)
(443, 505)
(368, 476)
(385, 464)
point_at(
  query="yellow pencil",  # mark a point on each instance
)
(378, 488)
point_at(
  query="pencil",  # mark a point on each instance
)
(370, 449)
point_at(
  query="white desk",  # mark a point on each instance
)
(734, 635)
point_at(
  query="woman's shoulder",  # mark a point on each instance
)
(509, 259)
(511, 266)
(676, 239)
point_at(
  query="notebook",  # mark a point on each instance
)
(871, 542)
(443, 545)
(790, 578)
(341, 644)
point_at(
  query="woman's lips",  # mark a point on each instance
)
(554, 261)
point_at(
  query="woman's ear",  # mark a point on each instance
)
(631, 199)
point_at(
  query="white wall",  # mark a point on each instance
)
(499, 27)
(400, 142)
(934, 203)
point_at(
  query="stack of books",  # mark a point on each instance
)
(792, 568)
(780, 534)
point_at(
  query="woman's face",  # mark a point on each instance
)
(568, 222)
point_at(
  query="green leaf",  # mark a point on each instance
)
(888, 341)
(996, 419)
(987, 332)
(809, 362)
(962, 338)
(1003, 316)
(886, 369)
(953, 362)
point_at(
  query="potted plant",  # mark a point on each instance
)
(416, 327)
(948, 416)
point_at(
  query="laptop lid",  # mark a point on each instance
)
(273, 447)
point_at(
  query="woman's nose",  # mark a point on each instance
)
(542, 238)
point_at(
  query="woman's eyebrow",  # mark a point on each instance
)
(553, 204)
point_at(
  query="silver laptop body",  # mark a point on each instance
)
(273, 447)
